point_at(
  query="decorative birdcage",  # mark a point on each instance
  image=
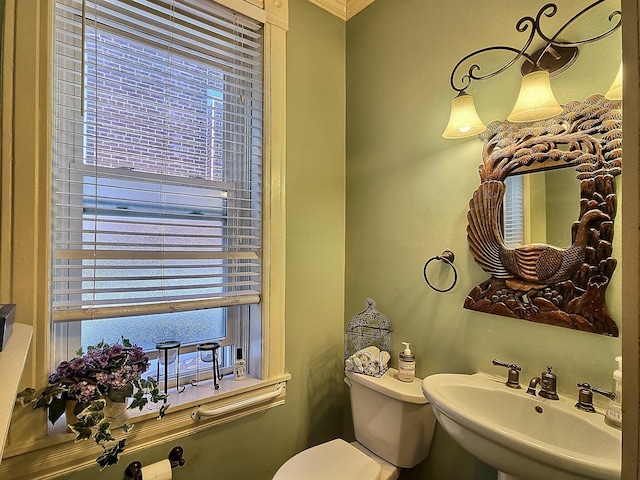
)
(367, 342)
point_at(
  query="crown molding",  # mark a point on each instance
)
(344, 9)
(356, 6)
(335, 7)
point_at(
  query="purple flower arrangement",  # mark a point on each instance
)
(101, 370)
(105, 372)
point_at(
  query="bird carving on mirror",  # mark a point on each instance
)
(527, 267)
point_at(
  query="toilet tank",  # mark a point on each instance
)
(393, 419)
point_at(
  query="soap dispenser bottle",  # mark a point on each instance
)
(613, 415)
(406, 364)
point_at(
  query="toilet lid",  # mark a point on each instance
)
(334, 460)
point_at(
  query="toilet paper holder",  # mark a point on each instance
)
(134, 469)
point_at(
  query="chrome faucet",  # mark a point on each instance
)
(548, 385)
(513, 378)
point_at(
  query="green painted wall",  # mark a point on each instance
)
(254, 448)
(408, 191)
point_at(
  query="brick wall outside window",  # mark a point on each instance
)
(144, 116)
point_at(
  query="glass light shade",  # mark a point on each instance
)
(535, 100)
(615, 90)
(464, 120)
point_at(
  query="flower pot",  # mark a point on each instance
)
(69, 416)
(112, 410)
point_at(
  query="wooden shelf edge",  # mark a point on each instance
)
(12, 361)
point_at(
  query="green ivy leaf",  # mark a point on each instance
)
(126, 427)
(92, 412)
(138, 402)
(112, 455)
(78, 408)
(103, 433)
(43, 401)
(27, 396)
(81, 431)
(56, 409)
(163, 410)
(120, 396)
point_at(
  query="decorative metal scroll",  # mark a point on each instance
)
(542, 283)
(555, 56)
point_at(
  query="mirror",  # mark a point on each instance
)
(559, 271)
(539, 207)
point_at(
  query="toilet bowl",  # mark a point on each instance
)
(336, 460)
(393, 425)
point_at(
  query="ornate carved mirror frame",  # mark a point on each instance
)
(538, 282)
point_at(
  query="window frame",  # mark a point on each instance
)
(25, 258)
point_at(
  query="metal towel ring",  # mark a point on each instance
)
(447, 257)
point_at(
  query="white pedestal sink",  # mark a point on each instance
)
(524, 436)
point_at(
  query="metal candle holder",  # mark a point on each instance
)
(208, 353)
(163, 347)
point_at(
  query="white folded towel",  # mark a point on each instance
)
(369, 361)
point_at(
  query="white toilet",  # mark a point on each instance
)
(393, 423)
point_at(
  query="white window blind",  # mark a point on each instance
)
(157, 158)
(514, 210)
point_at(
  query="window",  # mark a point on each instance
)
(157, 174)
(24, 242)
(514, 221)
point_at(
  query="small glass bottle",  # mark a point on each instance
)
(239, 368)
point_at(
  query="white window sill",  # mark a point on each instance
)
(59, 455)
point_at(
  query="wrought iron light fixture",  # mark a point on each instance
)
(535, 100)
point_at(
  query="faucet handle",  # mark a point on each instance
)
(549, 382)
(513, 378)
(585, 396)
(548, 374)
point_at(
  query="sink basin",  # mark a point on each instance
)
(521, 435)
